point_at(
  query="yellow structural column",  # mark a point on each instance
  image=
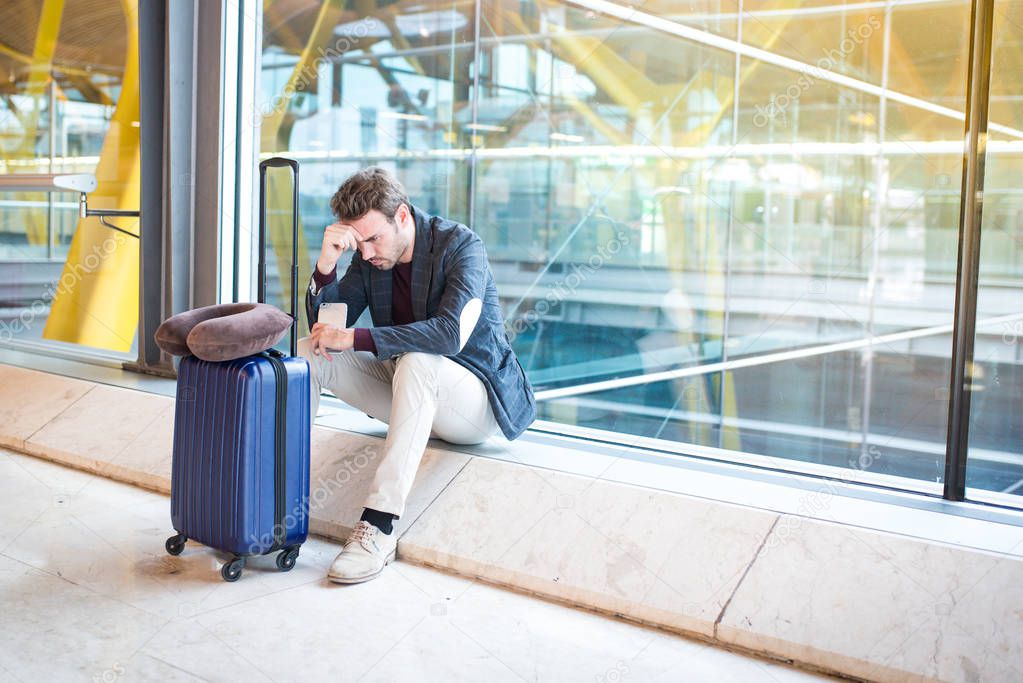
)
(95, 301)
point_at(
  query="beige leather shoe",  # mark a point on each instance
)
(366, 552)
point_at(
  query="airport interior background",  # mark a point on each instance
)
(728, 228)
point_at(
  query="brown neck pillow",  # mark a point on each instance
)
(223, 331)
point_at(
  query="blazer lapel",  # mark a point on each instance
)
(422, 264)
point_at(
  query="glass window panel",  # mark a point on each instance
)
(389, 87)
(821, 33)
(65, 107)
(604, 220)
(844, 257)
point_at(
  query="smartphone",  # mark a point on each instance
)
(333, 314)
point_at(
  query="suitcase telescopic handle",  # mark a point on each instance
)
(280, 162)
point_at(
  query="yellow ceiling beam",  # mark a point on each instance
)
(608, 71)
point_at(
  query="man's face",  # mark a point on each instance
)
(382, 242)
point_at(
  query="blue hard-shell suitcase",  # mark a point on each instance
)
(240, 472)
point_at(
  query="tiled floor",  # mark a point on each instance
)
(87, 593)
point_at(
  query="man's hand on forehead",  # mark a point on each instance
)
(337, 238)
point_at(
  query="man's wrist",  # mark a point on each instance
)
(363, 340)
(323, 279)
(325, 271)
(337, 339)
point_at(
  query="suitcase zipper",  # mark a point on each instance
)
(280, 444)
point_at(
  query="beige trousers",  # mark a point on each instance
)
(418, 395)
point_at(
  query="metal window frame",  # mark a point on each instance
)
(181, 56)
(208, 152)
(971, 205)
(152, 20)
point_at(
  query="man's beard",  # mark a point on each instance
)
(392, 259)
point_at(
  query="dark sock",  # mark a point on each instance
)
(381, 520)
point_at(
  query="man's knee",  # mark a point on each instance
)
(418, 364)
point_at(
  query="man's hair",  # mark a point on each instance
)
(370, 188)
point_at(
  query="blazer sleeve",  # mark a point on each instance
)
(465, 273)
(349, 289)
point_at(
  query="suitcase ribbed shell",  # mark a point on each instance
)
(222, 481)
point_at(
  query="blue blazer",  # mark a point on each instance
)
(449, 268)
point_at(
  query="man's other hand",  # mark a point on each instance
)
(324, 338)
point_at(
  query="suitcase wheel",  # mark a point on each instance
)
(175, 544)
(286, 559)
(232, 571)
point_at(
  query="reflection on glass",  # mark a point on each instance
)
(710, 228)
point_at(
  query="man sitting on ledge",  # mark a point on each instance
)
(437, 361)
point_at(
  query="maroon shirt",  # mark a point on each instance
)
(401, 301)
